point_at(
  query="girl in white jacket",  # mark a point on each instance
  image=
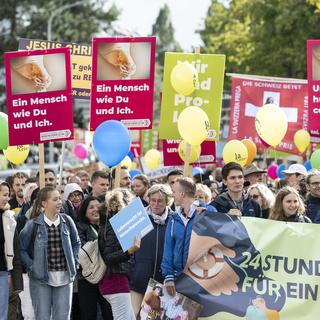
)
(7, 249)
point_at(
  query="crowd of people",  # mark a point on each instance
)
(42, 231)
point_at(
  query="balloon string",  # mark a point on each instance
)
(275, 156)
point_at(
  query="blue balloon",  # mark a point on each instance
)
(308, 165)
(111, 142)
(134, 173)
(280, 168)
(196, 170)
(130, 155)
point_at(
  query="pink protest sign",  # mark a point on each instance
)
(313, 58)
(123, 81)
(171, 156)
(39, 96)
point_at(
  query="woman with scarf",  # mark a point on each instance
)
(147, 260)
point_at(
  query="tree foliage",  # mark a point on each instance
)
(263, 37)
(164, 31)
(29, 19)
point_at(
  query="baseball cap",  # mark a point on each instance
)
(296, 168)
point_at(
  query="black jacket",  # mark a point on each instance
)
(250, 208)
(313, 208)
(298, 218)
(115, 259)
(70, 211)
(147, 260)
(86, 233)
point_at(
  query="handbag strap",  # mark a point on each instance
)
(94, 230)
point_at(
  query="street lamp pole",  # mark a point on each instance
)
(49, 37)
(57, 11)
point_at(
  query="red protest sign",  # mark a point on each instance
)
(123, 81)
(171, 156)
(248, 95)
(313, 59)
(39, 96)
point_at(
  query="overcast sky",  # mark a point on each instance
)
(186, 15)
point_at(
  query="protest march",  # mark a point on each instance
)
(143, 181)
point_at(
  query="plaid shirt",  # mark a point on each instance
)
(56, 258)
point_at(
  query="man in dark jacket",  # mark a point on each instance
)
(234, 201)
(313, 199)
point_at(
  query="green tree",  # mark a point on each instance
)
(164, 31)
(28, 19)
(263, 37)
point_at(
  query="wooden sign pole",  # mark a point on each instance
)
(61, 164)
(117, 176)
(187, 169)
(41, 165)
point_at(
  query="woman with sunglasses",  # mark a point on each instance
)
(147, 261)
(264, 196)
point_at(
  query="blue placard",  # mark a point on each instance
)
(131, 221)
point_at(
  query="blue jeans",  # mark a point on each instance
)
(4, 295)
(51, 302)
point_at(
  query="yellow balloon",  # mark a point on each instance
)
(126, 162)
(194, 154)
(17, 154)
(271, 124)
(235, 151)
(301, 140)
(184, 78)
(152, 158)
(134, 165)
(193, 125)
(3, 162)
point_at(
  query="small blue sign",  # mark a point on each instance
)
(130, 222)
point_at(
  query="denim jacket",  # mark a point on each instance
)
(37, 266)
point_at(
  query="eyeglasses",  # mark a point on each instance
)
(75, 195)
(315, 184)
(157, 201)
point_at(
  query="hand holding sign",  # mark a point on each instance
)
(136, 246)
(130, 225)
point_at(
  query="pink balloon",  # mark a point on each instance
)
(80, 150)
(272, 171)
(265, 144)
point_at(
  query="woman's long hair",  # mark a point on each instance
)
(277, 212)
(266, 194)
(43, 195)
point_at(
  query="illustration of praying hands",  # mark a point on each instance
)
(119, 56)
(32, 68)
